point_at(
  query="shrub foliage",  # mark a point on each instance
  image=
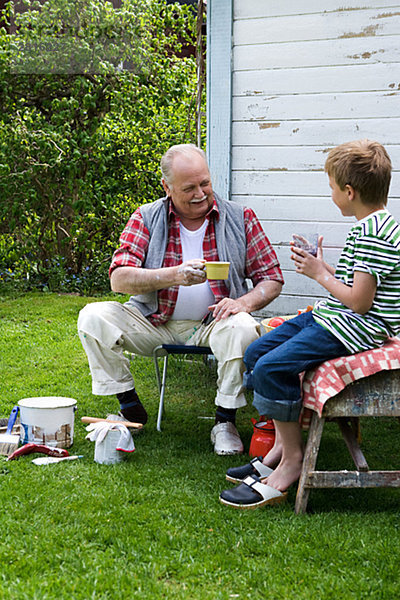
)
(90, 98)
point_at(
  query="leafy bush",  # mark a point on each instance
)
(90, 98)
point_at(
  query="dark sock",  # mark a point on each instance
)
(223, 415)
(131, 407)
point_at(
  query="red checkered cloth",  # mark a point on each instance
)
(332, 376)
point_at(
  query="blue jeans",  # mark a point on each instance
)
(276, 359)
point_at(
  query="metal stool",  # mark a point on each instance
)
(374, 396)
(164, 351)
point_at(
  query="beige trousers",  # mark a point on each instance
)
(106, 329)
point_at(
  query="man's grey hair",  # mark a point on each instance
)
(168, 158)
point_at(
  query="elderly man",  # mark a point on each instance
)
(160, 263)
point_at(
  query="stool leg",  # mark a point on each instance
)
(158, 376)
(162, 392)
(309, 462)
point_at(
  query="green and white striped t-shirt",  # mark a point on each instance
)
(372, 246)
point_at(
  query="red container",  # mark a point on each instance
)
(263, 437)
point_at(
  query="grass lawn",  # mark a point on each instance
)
(152, 527)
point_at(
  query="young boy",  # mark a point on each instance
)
(361, 312)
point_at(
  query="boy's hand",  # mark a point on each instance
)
(358, 297)
(320, 252)
(306, 264)
(309, 265)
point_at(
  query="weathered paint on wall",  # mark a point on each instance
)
(306, 77)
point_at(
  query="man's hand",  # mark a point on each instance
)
(191, 272)
(228, 306)
(137, 280)
(261, 295)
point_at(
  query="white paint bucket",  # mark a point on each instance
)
(47, 420)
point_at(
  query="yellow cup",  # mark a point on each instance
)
(217, 270)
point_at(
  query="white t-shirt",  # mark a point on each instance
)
(193, 300)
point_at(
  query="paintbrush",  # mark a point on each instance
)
(8, 441)
(3, 428)
(119, 421)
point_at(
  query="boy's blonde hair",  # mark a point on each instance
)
(363, 164)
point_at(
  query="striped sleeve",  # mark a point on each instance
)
(374, 256)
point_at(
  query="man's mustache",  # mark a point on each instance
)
(198, 200)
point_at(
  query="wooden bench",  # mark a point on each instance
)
(375, 396)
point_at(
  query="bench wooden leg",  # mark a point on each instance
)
(350, 429)
(309, 462)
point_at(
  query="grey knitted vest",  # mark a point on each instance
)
(231, 245)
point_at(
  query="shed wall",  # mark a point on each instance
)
(306, 77)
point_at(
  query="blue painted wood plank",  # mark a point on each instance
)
(219, 93)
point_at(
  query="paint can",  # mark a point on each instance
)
(47, 420)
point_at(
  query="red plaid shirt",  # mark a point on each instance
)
(261, 261)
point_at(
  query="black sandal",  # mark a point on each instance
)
(254, 467)
(251, 493)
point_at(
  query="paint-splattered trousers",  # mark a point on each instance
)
(107, 329)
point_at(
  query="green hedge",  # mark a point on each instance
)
(90, 98)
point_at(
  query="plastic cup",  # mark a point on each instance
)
(217, 270)
(308, 242)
